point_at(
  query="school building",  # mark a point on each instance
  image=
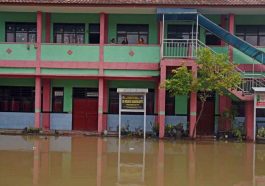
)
(61, 62)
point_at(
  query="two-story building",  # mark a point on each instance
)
(61, 62)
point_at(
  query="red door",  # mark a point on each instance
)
(206, 123)
(85, 114)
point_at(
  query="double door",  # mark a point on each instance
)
(85, 114)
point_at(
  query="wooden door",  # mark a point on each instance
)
(85, 114)
(206, 123)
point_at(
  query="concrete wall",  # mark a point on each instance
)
(134, 121)
(61, 121)
(16, 120)
(174, 120)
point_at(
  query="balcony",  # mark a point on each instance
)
(69, 53)
(17, 52)
(132, 53)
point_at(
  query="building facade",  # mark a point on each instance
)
(61, 62)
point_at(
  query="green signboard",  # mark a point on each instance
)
(132, 102)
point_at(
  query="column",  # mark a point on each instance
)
(162, 102)
(46, 104)
(103, 39)
(231, 30)
(100, 104)
(37, 101)
(48, 27)
(193, 107)
(105, 104)
(39, 35)
(249, 120)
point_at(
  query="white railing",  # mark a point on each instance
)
(179, 48)
(187, 48)
(249, 80)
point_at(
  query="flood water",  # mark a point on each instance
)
(90, 161)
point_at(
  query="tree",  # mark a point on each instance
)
(214, 74)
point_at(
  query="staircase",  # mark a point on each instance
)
(187, 48)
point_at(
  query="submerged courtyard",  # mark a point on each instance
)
(80, 160)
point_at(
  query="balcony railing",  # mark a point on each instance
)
(179, 48)
(69, 52)
(18, 51)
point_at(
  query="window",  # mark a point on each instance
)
(16, 99)
(253, 34)
(69, 33)
(57, 99)
(114, 101)
(170, 104)
(211, 39)
(94, 33)
(85, 92)
(21, 32)
(133, 33)
(180, 32)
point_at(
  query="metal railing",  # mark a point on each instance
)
(179, 48)
(249, 80)
(187, 48)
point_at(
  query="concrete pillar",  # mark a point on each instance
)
(231, 30)
(100, 104)
(193, 107)
(193, 113)
(249, 121)
(105, 104)
(37, 102)
(46, 104)
(162, 102)
(102, 40)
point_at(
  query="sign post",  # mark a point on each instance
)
(132, 100)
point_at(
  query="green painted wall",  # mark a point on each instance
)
(18, 52)
(181, 104)
(146, 54)
(115, 19)
(74, 18)
(17, 82)
(69, 71)
(80, 53)
(249, 20)
(133, 73)
(220, 49)
(4, 70)
(68, 89)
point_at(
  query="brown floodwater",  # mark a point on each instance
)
(56, 161)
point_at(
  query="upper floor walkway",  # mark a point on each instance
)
(90, 42)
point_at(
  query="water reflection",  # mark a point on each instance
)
(108, 161)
